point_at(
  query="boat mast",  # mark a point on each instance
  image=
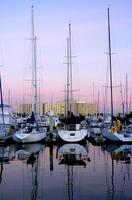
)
(122, 101)
(2, 105)
(70, 66)
(110, 65)
(97, 108)
(68, 84)
(126, 95)
(34, 61)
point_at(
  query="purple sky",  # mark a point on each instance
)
(89, 44)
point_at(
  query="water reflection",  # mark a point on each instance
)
(23, 151)
(120, 153)
(69, 171)
(120, 157)
(4, 158)
(72, 155)
(28, 154)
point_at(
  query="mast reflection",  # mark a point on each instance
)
(120, 156)
(71, 155)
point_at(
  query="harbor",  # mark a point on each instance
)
(65, 100)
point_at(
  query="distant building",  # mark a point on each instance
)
(78, 107)
(24, 108)
(47, 107)
(57, 107)
(84, 108)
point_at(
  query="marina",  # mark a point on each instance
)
(65, 105)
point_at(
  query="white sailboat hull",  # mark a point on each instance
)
(34, 136)
(117, 137)
(72, 136)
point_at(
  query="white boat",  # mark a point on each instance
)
(123, 136)
(27, 135)
(74, 133)
(32, 132)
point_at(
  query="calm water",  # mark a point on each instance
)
(36, 171)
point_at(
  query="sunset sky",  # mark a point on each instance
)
(89, 46)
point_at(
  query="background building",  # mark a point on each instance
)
(84, 108)
(24, 108)
(78, 107)
(58, 107)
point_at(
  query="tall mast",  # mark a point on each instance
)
(122, 101)
(2, 105)
(126, 95)
(97, 111)
(68, 84)
(110, 65)
(93, 93)
(65, 108)
(34, 61)
(70, 66)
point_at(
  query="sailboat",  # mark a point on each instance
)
(114, 133)
(72, 130)
(33, 132)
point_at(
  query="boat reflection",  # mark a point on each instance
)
(30, 153)
(120, 153)
(72, 155)
(23, 151)
(4, 159)
(121, 158)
